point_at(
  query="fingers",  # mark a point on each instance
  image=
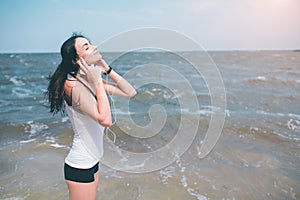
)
(82, 64)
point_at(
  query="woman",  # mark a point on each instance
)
(77, 86)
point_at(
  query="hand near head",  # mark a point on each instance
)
(93, 73)
(103, 65)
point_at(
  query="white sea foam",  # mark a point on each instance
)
(64, 119)
(132, 167)
(294, 115)
(150, 92)
(35, 127)
(15, 80)
(294, 125)
(26, 141)
(21, 92)
(256, 78)
(50, 139)
(206, 111)
(262, 78)
(166, 173)
(4, 102)
(170, 96)
(291, 124)
(56, 145)
(184, 182)
(262, 112)
(199, 196)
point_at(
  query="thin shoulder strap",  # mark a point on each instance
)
(91, 91)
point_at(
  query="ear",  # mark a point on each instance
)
(74, 61)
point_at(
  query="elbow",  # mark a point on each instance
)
(106, 122)
(132, 94)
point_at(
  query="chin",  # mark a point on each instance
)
(93, 61)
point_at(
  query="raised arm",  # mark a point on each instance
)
(120, 87)
(100, 109)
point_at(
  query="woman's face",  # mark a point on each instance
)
(87, 51)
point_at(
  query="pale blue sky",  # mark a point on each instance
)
(42, 25)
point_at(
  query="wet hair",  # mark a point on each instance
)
(55, 91)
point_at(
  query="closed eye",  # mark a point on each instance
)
(85, 46)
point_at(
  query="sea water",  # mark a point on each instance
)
(256, 157)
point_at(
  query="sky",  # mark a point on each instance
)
(43, 25)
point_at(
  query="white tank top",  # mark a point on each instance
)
(87, 147)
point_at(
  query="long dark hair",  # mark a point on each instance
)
(55, 91)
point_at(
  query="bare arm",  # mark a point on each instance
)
(121, 87)
(100, 109)
(103, 107)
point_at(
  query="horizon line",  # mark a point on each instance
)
(212, 50)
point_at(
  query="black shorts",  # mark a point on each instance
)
(80, 175)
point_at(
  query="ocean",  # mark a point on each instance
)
(256, 157)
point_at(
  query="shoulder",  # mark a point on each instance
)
(69, 84)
